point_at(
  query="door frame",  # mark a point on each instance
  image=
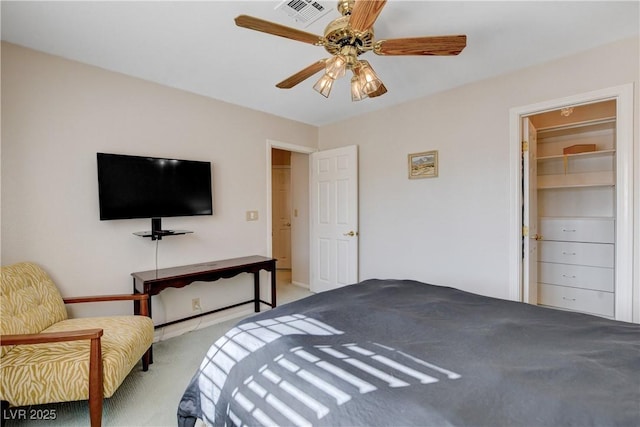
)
(269, 214)
(530, 213)
(626, 308)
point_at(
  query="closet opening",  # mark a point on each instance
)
(571, 216)
(288, 216)
(570, 194)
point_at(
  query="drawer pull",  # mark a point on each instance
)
(568, 253)
(568, 277)
(568, 231)
(568, 299)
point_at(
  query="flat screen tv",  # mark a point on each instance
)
(152, 187)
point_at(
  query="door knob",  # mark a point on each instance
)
(351, 233)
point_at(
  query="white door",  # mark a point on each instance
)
(333, 185)
(281, 203)
(530, 215)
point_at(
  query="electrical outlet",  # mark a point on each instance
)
(195, 304)
(252, 215)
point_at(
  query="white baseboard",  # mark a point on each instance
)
(300, 284)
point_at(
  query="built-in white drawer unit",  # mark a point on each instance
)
(575, 212)
(591, 254)
(580, 276)
(584, 300)
(597, 230)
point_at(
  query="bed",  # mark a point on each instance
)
(406, 353)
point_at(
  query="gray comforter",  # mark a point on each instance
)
(401, 353)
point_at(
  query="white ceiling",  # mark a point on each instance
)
(195, 46)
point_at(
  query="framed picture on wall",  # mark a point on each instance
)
(423, 165)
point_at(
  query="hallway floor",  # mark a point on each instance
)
(287, 291)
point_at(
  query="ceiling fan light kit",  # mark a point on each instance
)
(348, 37)
(363, 83)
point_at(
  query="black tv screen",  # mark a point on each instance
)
(152, 187)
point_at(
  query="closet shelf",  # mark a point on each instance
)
(555, 186)
(602, 122)
(579, 155)
(576, 180)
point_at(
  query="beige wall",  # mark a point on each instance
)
(454, 229)
(451, 230)
(56, 114)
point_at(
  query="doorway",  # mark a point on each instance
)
(288, 210)
(281, 206)
(525, 224)
(326, 207)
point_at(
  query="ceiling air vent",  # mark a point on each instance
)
(303, 11)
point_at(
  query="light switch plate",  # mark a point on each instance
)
(252, 215)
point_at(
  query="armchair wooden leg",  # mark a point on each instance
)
(146, 359)
(96, 387)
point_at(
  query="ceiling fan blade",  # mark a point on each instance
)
(365, 13)
(380, 91)
(302, 75)
(436, 45)
(268, 27)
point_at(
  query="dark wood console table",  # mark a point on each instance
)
(152, 282)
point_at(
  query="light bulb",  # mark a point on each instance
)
(357, 94)
(369, 81)
(323, 85)
(336, 66)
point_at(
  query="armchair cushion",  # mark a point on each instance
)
(57, 372)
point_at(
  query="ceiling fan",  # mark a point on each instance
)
(348, 37)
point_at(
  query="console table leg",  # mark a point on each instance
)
(256, 291)
(136, 303)
(273, 287)
(136, 310)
